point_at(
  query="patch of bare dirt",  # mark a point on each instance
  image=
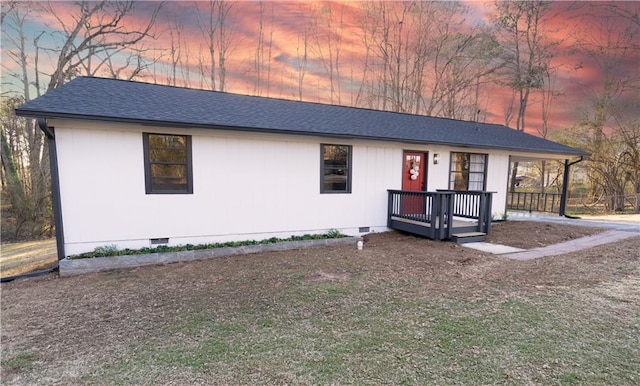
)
(531, 234)
(322, 276)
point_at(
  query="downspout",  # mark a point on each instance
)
(55, 185)
(565, 187)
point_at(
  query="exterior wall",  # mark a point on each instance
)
(245, 186)
(498, 180)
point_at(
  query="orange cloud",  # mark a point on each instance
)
(274, 67)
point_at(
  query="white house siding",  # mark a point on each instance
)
(497, 181)
(245, 186)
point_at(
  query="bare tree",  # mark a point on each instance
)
(629, 132)
(395, 61)
(14, 175)
(93, 41)
(547, 98)
(302, 55)
(133, 66)
(218, 37)
(24, 155)
(420, 58)
(175, 53)
(527, 54)
(258, 58)
(462, 62)
(97, 28)
(519, 27)
(225, 40)
(208, 23)
(327, 44)
(608, 128)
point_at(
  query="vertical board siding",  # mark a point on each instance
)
(497, 180)
(245, 186)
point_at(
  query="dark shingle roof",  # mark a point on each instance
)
(124, 101)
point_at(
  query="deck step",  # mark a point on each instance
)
(468, 237)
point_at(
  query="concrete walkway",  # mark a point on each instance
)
(621, 223)
(496, 249)
(619, 230)
(572, 245)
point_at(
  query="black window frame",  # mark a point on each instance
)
(469, 172)
(149, 188)
(324, 168)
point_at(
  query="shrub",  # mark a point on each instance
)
(112, 250)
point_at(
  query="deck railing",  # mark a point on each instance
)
(534, 202)
(425, 212)
(431, 214)
(412, 205)
(473, 205)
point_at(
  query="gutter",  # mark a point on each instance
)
(56, 202)
(565, 188)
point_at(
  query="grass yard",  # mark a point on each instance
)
(28, 256)
(402, 311)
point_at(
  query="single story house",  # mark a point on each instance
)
(136, 164)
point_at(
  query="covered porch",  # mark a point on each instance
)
(460, 216)
(541, 201)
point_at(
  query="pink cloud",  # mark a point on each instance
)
(577, 74)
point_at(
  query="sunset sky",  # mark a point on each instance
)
(578, 76)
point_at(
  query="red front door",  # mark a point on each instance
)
(414, 171)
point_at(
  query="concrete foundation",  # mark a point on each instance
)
(72, 267)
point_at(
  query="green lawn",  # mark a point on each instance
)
(364, 334)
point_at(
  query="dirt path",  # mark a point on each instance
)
(587, 242)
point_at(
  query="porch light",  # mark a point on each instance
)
(436, 158)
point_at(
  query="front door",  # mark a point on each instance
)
(414, 173)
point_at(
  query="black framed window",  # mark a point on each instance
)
(167, 164)
(468, 171)
(335, 168)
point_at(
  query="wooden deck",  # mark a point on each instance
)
(462, 214)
